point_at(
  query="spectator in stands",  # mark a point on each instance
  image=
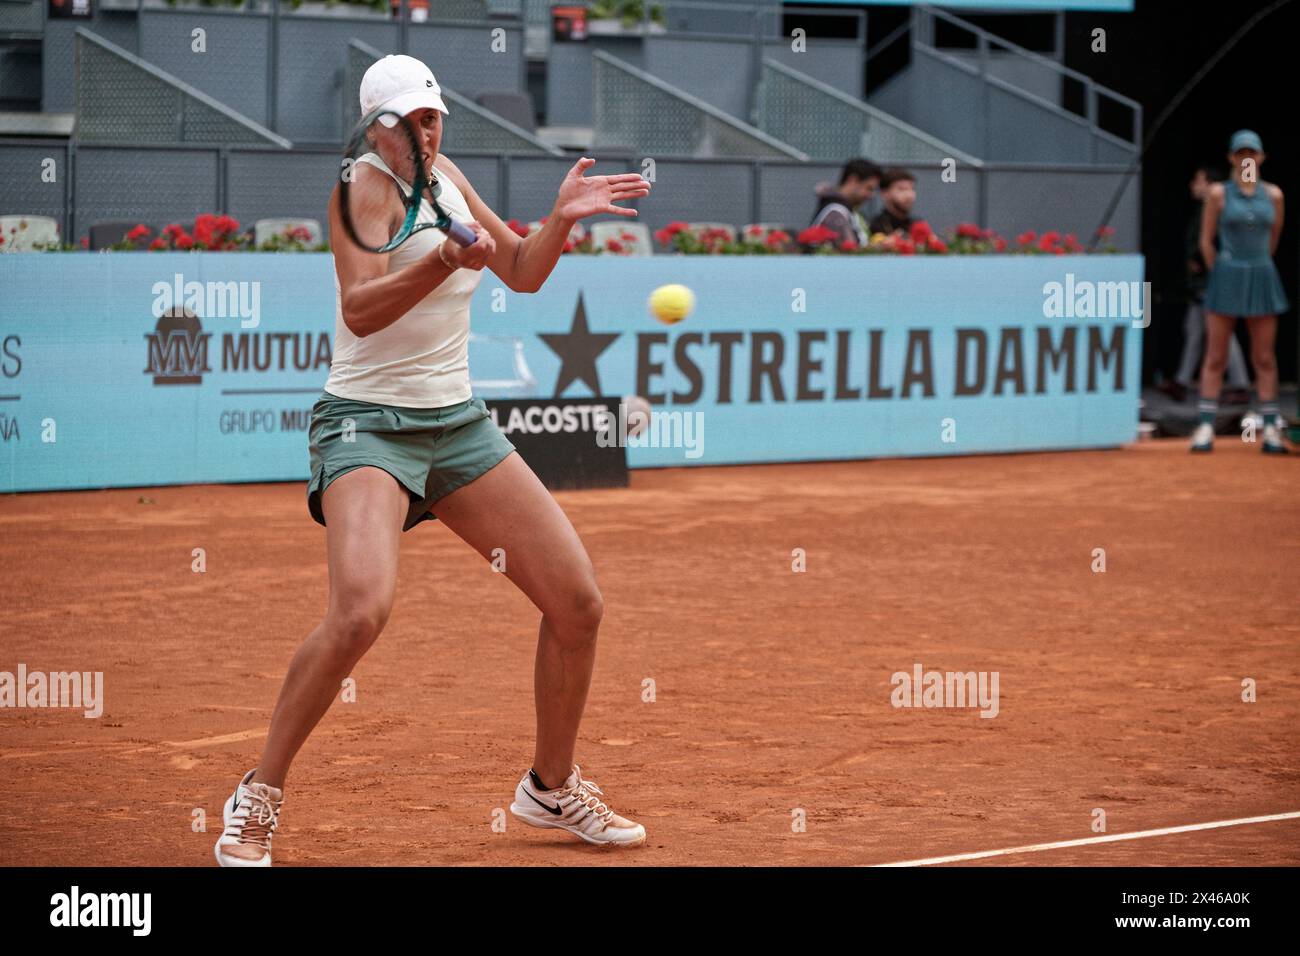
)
(837, 206)
(1238, 391)
(898, 191)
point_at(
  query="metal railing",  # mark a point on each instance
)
(828, 124)
(158, 184)
(987, 45)
(124, 99)
(636, 111)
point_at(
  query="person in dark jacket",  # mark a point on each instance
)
(898, 191)
(837, 206)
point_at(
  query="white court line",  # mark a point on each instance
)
(1087, 841)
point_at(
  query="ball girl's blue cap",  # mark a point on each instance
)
(1245, 139)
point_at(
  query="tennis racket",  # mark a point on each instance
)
(364, 203)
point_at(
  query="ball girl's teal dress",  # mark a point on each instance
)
(1244, 280)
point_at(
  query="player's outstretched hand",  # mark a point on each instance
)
(582, 196)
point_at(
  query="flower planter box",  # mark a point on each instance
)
(615, 28)
(344, 11)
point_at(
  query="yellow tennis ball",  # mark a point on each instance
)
(671, 303)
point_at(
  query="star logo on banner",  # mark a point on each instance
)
(578, 350)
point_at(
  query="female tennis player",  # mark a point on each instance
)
(396, 438)
(1246, 215)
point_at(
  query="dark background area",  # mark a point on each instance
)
(1151, 53)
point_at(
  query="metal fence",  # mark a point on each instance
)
(159, 185)
(123, 99)
(712, 51)
(638, 112)
(282, 68)
(828, 124)
(981, 101)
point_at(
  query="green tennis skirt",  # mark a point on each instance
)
(430, 451)
(1250, 287)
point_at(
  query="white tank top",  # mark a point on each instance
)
(422, 359)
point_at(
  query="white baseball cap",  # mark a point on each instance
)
(399, 83)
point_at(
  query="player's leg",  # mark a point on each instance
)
(1263, 354)
(1218, 330)
(364, 512)
(509, 508)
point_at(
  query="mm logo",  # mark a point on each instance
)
(178, 349)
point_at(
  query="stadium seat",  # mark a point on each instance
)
(23, 233)
(638, 245)
(265, 229)
(512, 106)
(110, 232)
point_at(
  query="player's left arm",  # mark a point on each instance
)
(523, 264)
(1279, 208)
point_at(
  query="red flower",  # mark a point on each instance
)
(777, 237)
(184, 241)
(848, 245)
(517, 227)
(935, 244)
(666, 235)
(139, 232)
(568, 245)
(904, 246)
(1000, 244)
(1049, 240)
(754, 230)
(613, 245)
(921, 231)
(2, 240)
(158, 243)
(1027, 238)
(173, 230)
(968, 230)
(815, 235)
(1105, 231)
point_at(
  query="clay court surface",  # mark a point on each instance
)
(1119, 690)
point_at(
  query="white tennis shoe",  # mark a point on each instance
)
(577, 807)
(251, 815)
(1203, 437)
(1273, 443)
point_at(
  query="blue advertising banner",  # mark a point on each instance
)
(134, 369)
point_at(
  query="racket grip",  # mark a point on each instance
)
(461, 234)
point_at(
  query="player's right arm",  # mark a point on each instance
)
(372, 298)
